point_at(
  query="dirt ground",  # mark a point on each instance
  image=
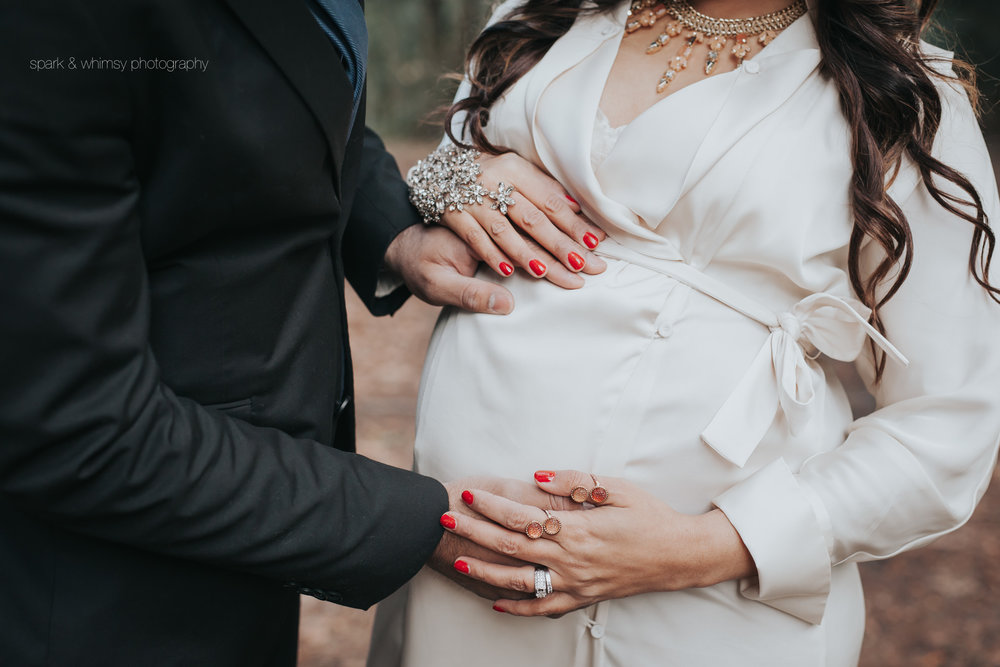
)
(935, 607)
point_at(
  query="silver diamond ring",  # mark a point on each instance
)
(543, 582)
(502, 197)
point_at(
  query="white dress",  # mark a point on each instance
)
(697, 366)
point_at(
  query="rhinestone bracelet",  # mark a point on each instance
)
(446, 180)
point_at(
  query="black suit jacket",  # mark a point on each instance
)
(174, 436)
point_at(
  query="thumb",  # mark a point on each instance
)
(448, 287)
(580, 487)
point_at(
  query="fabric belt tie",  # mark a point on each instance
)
(784, 375)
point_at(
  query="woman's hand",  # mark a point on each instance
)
(631, 544)
(452, 545)
(542, 233)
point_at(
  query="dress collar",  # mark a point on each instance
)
(704, 119)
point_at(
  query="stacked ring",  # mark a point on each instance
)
(579, 494)
(598, 495)
(543, 582)
(552, 525)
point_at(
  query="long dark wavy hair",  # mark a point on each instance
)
(870, 48)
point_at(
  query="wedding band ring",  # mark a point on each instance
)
(598, 495)
(534, 530)
(543, 582)
(552, 525)
(579, 494)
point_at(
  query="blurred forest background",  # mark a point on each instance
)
(414, 43)
(933, 607)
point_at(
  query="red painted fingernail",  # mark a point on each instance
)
(576, 261)
(544, 475)
(572, 200)
(506, 268)
(448, 521)
(496, 608)
(467, 497)
(462, 566)
(590, 240)
(536, 267)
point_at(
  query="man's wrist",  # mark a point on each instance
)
(395, 252)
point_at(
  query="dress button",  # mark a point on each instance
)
(597, 631)
(664, 330)
(751, 67)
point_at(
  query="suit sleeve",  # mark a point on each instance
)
(91, 440)
(381, 210)
(914, 469)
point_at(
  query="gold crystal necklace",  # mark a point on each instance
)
(695, 28)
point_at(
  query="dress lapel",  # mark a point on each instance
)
(562, 96)
(703, 122)
(293, 39)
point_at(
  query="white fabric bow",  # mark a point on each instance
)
(782, 375)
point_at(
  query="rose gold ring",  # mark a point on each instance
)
(552, 525)
(598, 495)
(579, 494)
(534, 530)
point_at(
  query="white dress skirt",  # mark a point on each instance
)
(698, 366)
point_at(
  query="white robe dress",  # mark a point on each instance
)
(697, 366)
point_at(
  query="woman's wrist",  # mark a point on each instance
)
(720, 551)
(697, 551)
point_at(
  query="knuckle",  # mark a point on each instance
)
(473, 236)
(580, 228)
(498, 227)
(534, 218)
(516, 521)
(470, 297)
(517, 583)
(553, 203)
(561, 504)
(508, 546)
(565, 249)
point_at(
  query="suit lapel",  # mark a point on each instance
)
(297, 45)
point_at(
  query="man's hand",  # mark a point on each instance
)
(438, 267)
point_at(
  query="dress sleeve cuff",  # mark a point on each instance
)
(776, 518)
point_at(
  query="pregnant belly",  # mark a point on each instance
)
(619, 378)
